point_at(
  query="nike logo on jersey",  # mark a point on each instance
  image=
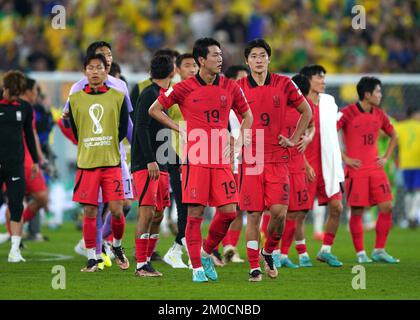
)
(15, 178)
(1, 113)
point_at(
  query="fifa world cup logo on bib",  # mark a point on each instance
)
(96, 111)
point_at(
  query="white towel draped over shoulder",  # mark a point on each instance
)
(332, 168)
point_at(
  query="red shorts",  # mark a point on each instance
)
(37, 184)
(316, 188)
(368, 190)
(299, 193)
(90, 181)
(258, 192)
(208, 186)
(152, 192)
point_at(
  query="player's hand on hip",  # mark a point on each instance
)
(310, 173)
(353, 163)
(303, 143)
(34, 170)
(381, 161)
(154, 172)
(285, 142)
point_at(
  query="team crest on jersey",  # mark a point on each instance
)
(193, 192)
(223, 101)
(276, 101)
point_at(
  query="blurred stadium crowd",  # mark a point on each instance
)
(300, 32)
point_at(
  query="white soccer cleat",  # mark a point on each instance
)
(4, 237)
(80, 248)
(15, 256)
(174, 258)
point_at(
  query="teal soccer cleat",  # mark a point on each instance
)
(276, 259)
(286, 262)
(199, 276)
(330, 259)
(305, 262)
(363, 258)
(382, 256)
(209, 269)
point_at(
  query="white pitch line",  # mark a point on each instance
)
(53, 256)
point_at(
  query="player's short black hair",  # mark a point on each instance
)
(312, 70)
(257, 43)
(161, 66)
(30, 83)
(366, 84)
(91, 57)
(167, 52)
(115, 69)
(201, 48)
(15, 82)
(302, 82)
(95, 45)
(232, 71)
(182, 57)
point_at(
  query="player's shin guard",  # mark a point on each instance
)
(153, 240)
(28, 214)
(272, 242)
(288, 235)
(218, 229)
(117, 226)
(383, 225)
(193, 239)
(89, 232)
(356, 229)
(253, 254)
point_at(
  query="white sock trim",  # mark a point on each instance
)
(253, 244)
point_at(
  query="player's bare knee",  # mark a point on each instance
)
(385, 207)
(336, 207)
(90, 211)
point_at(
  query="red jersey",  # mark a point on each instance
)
(361, 132)
(269, 104)
(313, 151)
(206, 109)
(297, 163)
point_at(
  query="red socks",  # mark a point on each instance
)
(356, 229)
(288, 235)
(141, 247)
(193, 239)
(253, 254)
(328, 239)
(272, 242)
(218, 229)
(28, 215)
(117, 227)
(264, 224)
(232, 238)
(383, 225)
(89, 232)
(301, 248)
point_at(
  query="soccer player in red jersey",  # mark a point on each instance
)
(205, 101)
(323, 159)
(299, 201)
(269, 96)
(99, 119)
(366, 181)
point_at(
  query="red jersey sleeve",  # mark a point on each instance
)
(342, 119)
(174, 95)
(293, 94)
(240, 104)
(386, 126)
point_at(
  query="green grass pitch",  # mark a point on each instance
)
(33, 279)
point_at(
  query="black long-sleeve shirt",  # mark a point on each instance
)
(16, 119)
(145, 144)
